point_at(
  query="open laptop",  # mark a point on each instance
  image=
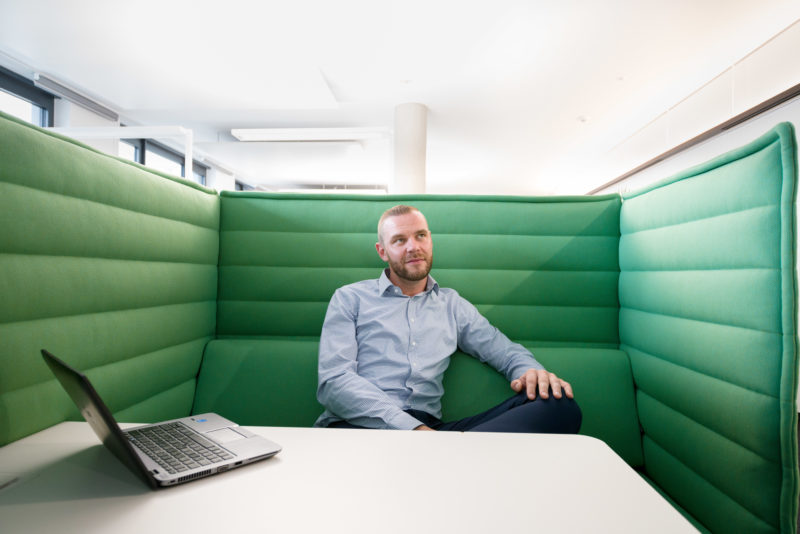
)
(167, 453)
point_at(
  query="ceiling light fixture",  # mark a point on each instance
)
(308, 134)
(61, 90)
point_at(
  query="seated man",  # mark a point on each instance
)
(386, 343)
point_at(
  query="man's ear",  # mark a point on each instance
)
(381, 251)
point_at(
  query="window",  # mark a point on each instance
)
(159, 157)
(20, 98)
(131, 149)
(241, 186)
(162, 159)
(199, 173)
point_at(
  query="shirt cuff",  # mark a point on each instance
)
(403, 421)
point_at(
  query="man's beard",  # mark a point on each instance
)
(401, 269)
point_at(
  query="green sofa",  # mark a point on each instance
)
(672, 311)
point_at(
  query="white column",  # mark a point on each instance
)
(220, 180)
(74, 117)
(410, 142)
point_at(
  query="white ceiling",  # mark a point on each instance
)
(517, 90)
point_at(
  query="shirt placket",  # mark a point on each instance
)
(413, 350)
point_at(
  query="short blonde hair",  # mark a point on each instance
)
(394, 211)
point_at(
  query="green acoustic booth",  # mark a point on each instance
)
(672, 310)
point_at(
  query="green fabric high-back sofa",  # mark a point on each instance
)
(672, 311)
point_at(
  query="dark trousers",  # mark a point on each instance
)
(517, 414)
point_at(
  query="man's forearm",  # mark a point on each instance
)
(360, 402)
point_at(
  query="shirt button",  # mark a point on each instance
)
(412, 319)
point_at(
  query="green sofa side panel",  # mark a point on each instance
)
(108, 265)
(544, 271)
(707, 314)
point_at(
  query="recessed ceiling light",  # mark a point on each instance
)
(309, 134)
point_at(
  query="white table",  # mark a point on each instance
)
(330, 481)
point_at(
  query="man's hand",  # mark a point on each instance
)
(424, 427)
(542, 380)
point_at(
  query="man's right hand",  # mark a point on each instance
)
(424, 427)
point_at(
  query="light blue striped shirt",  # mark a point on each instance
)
(382, 352)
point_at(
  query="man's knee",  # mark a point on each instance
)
(568, 413)
(555, 415)
(550, 415)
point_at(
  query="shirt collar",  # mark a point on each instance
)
(385, 284)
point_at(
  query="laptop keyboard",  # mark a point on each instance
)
(177, 448)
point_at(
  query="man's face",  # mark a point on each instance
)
(407, 246)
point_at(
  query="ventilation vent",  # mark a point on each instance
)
(196, 475)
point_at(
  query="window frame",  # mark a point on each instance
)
(24, 89)
(142, 146)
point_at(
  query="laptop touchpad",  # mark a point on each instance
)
(224, 435)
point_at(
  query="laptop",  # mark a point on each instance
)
(167, 453)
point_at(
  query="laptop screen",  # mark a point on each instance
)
(97, 414)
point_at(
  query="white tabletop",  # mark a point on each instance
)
(329, 481)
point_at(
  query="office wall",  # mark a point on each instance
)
(728, 140)
(69, 115)
(763, 74)
(220, 180)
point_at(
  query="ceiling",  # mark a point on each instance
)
(518, 91)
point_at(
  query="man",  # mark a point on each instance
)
(386, 343)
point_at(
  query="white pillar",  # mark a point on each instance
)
(410, 142)
(220, 180)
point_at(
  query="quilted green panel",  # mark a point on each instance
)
(707, 315)
(566, 216)
(692, 443)
(108, 265)
(676, 479)
(167, 404)
(544, 271)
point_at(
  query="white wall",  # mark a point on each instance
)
(731, 139)
(69, 115)
(763, 74)
(220, 180)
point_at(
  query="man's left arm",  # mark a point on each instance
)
(476, 336)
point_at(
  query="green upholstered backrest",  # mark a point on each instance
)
(708, 314)
(109, 266)
(542, 270)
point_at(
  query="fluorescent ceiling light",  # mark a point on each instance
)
(308, 134)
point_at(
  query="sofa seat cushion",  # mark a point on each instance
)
(601, 379)
(260, 382)
(273, 382)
